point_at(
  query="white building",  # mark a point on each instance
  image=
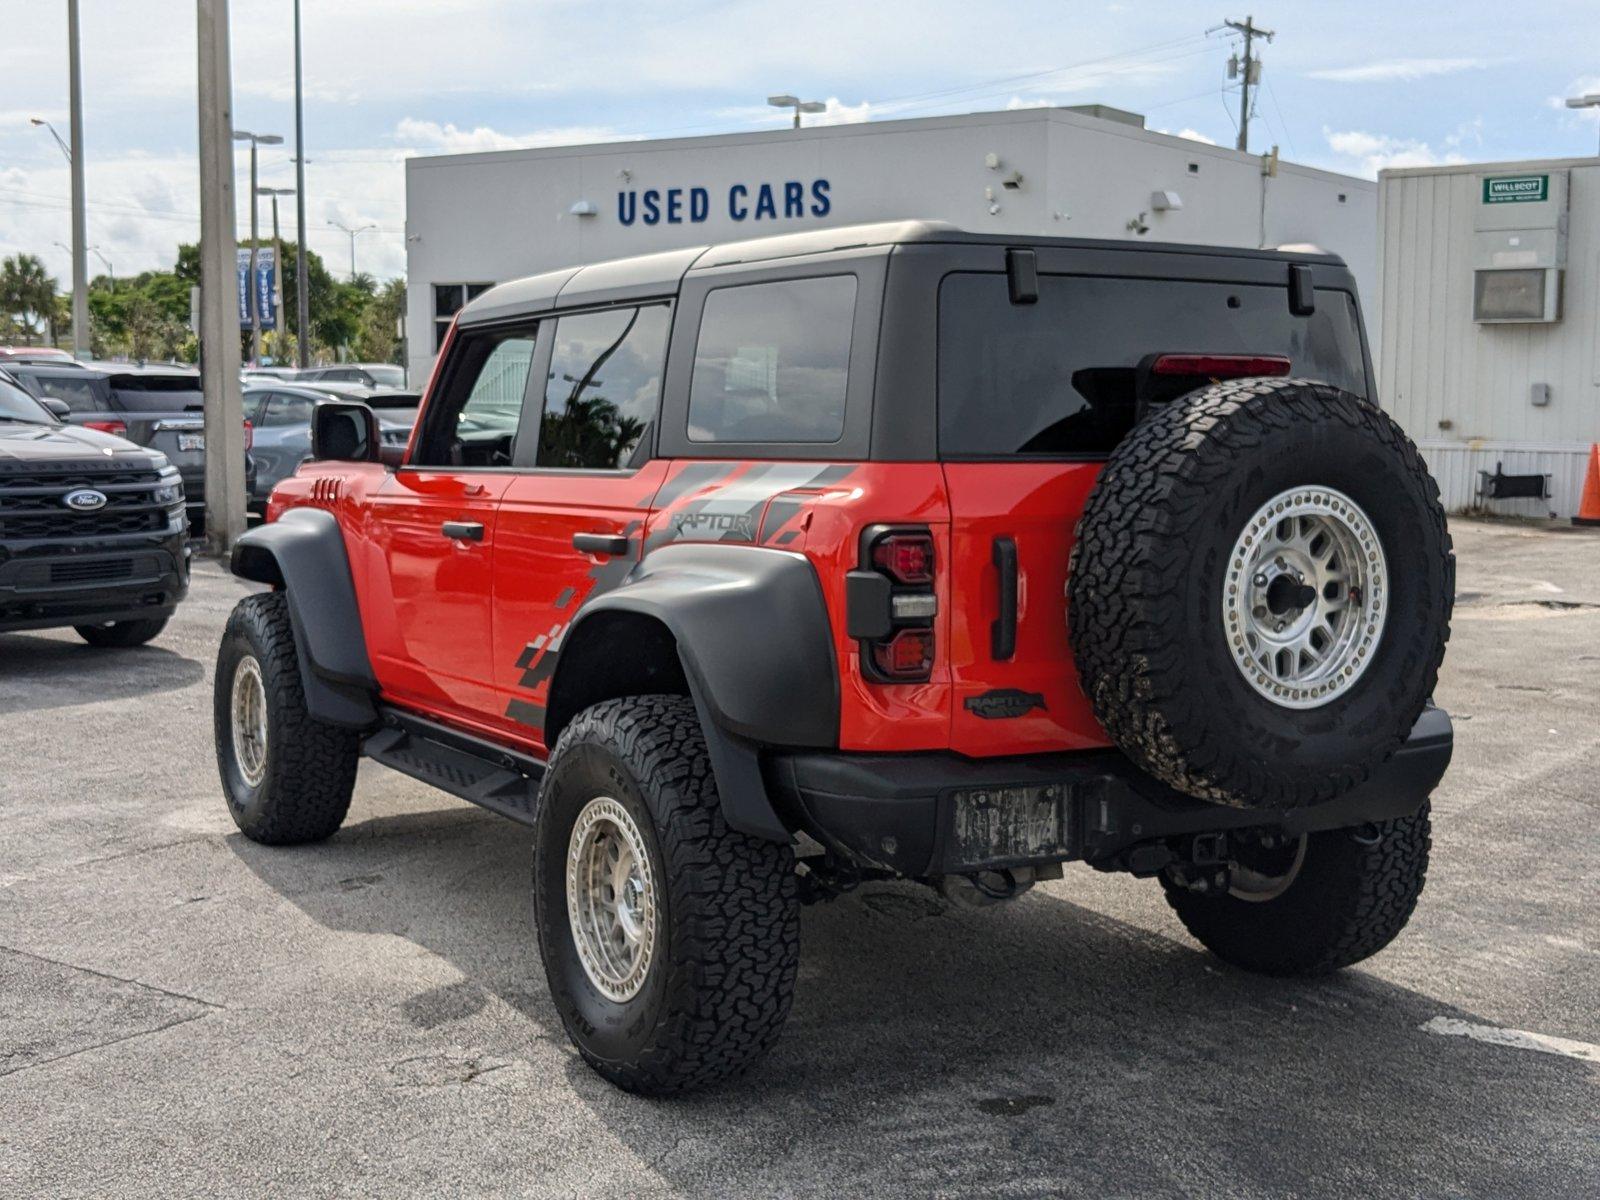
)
(477, 219)
(1490, 322)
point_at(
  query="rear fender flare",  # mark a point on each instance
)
(303, 554)
(753, 637)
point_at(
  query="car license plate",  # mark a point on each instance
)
(191, 441)
(1011, 824)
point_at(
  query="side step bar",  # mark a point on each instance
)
(469, 767)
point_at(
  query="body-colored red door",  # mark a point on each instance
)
(433, 531)
(542, 576)
(1028, 700)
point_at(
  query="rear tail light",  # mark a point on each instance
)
(249, 434)
(1220, 366)
(892, 604)
(115, 427)
(906, 655)
(905, 557)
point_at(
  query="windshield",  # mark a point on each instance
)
(17, 405)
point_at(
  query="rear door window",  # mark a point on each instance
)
(80, 395)
(604, 388)
(773, 362)
(1057, 377)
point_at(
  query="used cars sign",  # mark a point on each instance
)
(754, 201)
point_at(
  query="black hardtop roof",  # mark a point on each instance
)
(660, 273)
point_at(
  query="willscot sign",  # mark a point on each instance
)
(1516, 189)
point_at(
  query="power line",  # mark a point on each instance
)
(1249, 72)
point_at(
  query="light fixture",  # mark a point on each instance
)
(584, 208)
(1164, 201)
(799, 105)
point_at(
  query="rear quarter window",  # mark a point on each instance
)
(773, 362)
(1057, 377)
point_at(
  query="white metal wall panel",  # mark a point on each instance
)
(1456, 466)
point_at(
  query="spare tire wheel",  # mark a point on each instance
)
(1260, 592)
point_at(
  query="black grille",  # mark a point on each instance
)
(32, 508)
(104, 571)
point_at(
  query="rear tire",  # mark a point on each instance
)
(287, 776)
(705, 990)
(120, 635)
(1355, 891)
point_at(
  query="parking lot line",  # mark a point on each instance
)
(1518, 1039)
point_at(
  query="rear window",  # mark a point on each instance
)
(157, 393)
(86, 395)
(773, 361)
(1057, 377)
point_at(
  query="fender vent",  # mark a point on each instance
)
(326, 493)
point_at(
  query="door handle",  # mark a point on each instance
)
(1003, 632)
(463, 531)
(609, 545)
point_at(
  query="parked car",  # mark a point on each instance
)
(159, 407)
(280, 415)
(34, 354)
(877, 552)
(93, 532)
(372, 375)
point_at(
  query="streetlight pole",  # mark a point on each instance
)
(302, 286)
(80, 235)
(799, 105)
(1592, 100)
(359, 229)
(255, 139)
(277, 259)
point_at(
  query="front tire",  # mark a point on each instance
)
(120, 635)
(1351, 893)
(287, 776)
(670, 940)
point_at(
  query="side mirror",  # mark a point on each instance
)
(344, 431)
(58, 408)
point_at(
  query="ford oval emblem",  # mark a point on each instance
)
(84, 500)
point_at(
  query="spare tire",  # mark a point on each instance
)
(1260, 592)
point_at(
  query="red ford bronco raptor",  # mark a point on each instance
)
(744, 574)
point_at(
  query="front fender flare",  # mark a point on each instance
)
(303, 554)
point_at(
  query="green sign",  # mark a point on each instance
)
(1516, 189)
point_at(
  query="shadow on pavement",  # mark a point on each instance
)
(40, 673)
(1038, 1048)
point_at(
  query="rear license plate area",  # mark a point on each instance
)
(191, 441)
(1009, 825)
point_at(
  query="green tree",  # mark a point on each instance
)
(27, 294)
(378, 339)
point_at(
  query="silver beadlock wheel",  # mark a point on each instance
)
(1305, 597)
(249, 720)
(611, 898)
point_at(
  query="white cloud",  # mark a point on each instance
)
(1584, 85)
(1376, 152)
(1194, 135)
(432, 137)
(1398, 70)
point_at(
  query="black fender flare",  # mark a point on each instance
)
(756, 647)
(303, 554)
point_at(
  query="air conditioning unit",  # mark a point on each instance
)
(1519, 247)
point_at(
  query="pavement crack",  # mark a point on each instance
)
(56, 962)
(45, 1062)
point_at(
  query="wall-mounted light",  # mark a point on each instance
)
(584, 208)
(1136, 225)
(1165, 201)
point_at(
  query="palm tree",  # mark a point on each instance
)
(27, 293)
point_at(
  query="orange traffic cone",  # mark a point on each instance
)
(1589, 506)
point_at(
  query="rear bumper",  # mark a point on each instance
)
(94, 582)
(937, 814)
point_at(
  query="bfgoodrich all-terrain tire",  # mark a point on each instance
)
(287, 776)
(1260, 592)
(1353, 891)
(670, 940)
(120, 635)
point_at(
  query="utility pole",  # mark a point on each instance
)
(302, 287)
(80, 233)
(1249, 72)
(219, 297)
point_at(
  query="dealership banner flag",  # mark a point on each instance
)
(264, 293)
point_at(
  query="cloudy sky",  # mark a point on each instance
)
(1354, 86)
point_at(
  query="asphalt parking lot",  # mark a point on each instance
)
(183, 1012)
